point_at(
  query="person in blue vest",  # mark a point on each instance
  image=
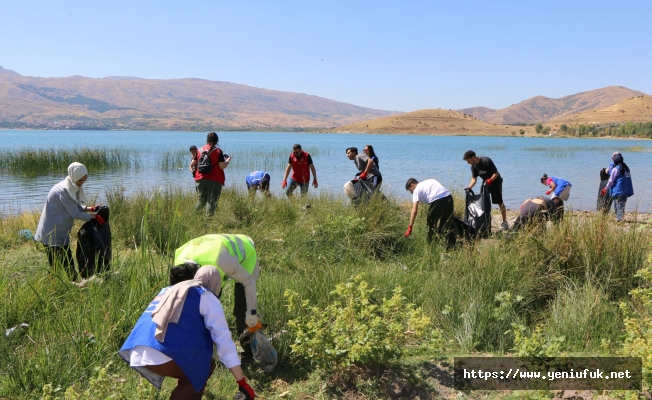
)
(620, 185)
(175, 334)
(558, 187)
(258, 180)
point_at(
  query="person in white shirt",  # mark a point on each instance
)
(174, 338)
(440, 208)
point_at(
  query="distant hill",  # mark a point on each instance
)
(433, 121)
(478, 112)
(635, 109)
(136, 103)
(541, 109)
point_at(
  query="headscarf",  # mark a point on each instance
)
(617, 158)
(76, 171)
(169, 308)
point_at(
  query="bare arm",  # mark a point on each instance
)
(413, 214)
(314, 175)
(237, 372)
(370, 164)
(225, 164)
(287, 172)
(193, 163)
(495, 176)
(473, 182)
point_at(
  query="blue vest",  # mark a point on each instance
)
(256, 177)
(188, 342)
(623, 184)
(560, 184)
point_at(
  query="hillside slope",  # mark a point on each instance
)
(432, 121)
(127, 102)
(541, 109)
(635, 109)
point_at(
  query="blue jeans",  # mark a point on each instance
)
(619, 206)
(292, 185)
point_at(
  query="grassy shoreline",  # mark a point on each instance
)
(568, 278)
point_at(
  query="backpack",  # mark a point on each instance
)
(204, 165)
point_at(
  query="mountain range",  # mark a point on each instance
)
(115, 102)
(541, 109)
(78, 102)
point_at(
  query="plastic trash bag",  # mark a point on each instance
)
(26, 234)
(264, 352)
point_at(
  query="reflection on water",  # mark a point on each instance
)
(163, 158)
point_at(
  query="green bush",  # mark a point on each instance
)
(638, 322)
(354, 330)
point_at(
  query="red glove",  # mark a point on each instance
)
(284, 184)
(488, 181)
(246, 389)
(409, 231)
(94, 208)
(549, 191)
(314, 183)
(100, 220)
(363, 175)
(603, 192)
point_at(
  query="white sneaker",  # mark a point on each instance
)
(504, 226)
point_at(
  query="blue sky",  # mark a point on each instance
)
(394, 55)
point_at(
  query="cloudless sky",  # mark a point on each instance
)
(394, 55)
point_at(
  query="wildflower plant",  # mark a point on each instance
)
(354, 330)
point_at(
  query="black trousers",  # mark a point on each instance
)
(440, 213)
(240, 312)
(61, 257)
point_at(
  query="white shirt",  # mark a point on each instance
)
(428, 191)
(214, 320)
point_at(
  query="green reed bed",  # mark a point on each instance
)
(174, 159)
(34, 162)
(567, 278)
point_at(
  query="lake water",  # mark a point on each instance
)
(521, 162)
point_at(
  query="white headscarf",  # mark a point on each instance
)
(170, 307)
(76, 171)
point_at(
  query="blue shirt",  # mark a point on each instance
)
(256, 177)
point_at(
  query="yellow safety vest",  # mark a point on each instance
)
(205, 249)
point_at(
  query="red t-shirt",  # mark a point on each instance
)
(216, 157)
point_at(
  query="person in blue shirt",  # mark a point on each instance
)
(620, 185)
(174, 337)
(258, 180)
(558, 187)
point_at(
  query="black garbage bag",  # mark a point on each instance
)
(604, 202)
(93, 252)
(477, 214)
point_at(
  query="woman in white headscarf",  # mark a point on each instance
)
(62, 206)
(174, 337)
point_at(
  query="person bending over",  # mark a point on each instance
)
(539, 209)
(440, 208)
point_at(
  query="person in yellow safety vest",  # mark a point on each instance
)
(235, 257)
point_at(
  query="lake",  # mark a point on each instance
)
(521, 162)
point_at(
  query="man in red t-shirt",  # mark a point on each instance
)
(301, 164)
(209, 184)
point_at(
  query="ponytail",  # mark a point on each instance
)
(544, 178)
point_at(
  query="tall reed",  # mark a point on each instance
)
(44, 161)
